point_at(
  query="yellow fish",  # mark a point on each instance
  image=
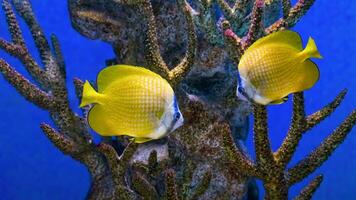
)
(132, 101)
(276, 66)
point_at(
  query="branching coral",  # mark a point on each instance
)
(72, 137)
(50, 93)
(271, 166)
(201, 160)
(156, 62)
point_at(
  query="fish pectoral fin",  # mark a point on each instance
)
(280, 101)
(140, 140)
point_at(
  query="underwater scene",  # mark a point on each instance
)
(177, 99)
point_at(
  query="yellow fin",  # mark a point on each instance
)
(311, 51)
(285, 37)
(110, 74)
(98, 121)
(309, 75)
(89, 95)
(280, 101)
(140, 140)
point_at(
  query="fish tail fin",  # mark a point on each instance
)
(311, 50)
(89, 95)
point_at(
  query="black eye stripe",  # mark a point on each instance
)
(177, 115)
(175, 105)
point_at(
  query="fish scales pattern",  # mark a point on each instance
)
(138, 102)
(272, 72)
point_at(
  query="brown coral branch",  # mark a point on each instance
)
(113, 161)
(309, 190)
(118, 165)
(127, 154)
(15, 31)
(55, 98)
(25, 10)
(321, 154)
(143, 187)
(202, 186)
(53, 67)
(286, 6)
(300, 125)
(153, 51)
(235, 14)
(57, 70)
(264, 156)
(123, 193)
(152, 162)
(236, 45)
(315, 118)
(237, 158)
(128, 2)
(227, 11)
(294, 15)
(271, 167)
(232, 42)
(78, 85)
(171, 187)
(240, 5)
(285, 152)
(72, 136)
(183, 68)
(59, 140)
(22, 54)
(28, 90)
(298, 11)
(255, 28)
(187, 177)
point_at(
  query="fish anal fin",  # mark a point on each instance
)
(97, 120)
(309, 75)
(112, 73)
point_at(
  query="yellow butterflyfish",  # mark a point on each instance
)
(275, 66)
(132, 101)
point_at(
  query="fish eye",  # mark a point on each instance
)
(177, 115)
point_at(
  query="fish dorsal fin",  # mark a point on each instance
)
(113, 73)
(287, 37)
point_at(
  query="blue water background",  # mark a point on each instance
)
(31, 168)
